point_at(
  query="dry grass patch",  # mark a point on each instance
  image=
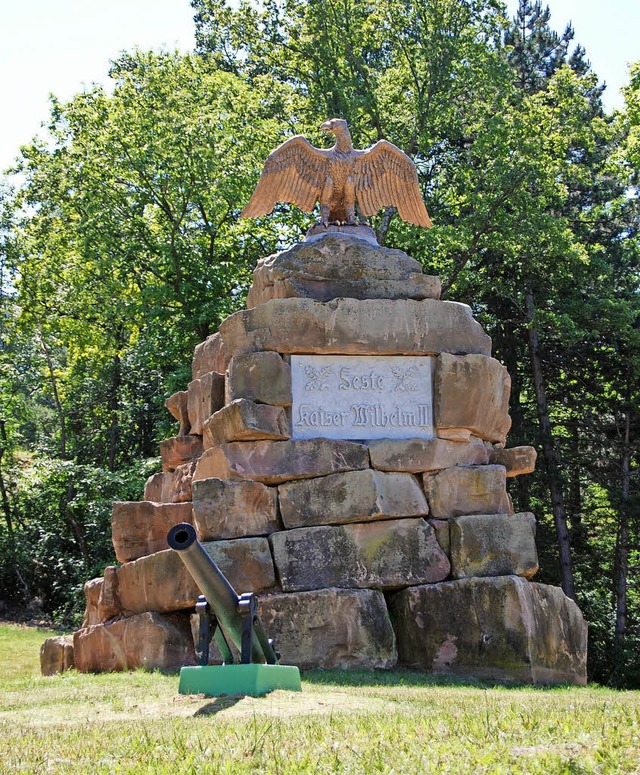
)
(341, 722)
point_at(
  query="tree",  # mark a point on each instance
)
(124, 249)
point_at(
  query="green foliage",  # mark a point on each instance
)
(62, 532)
(123, 249)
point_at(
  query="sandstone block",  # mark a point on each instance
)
(331, 628)
(209, 356)
(471, 396)
(140, 527)
(204, 397)
(101, 598)
(92, 591)
(171, 486)
(457, 491)
(419, 455)
(244, 420)
(516, 460)
(499, 628)
(368, 327)
(354, 496)
(161, 581)
(179, 450)
(177, 406)
(493, 545)
(149, 640)
(441, 527)
(246, 562)
(56, 655)
(273, 462)
(263, 377)
(340, 266)
(233, 509)
(384, 555)
(158, 487)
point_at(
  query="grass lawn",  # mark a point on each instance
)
(342, 722)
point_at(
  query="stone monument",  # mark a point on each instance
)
(341, 452)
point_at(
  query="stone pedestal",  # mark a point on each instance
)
(341, 452)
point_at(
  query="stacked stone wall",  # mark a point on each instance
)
(364, 553)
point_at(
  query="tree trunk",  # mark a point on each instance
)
(6, 505)
(622, 554)
(114, 401)
(508, 343)
(555, 487)
(8, 514)
(56, 397)
(575, 491)
(385, 222)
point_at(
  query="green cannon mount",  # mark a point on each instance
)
(232, 619)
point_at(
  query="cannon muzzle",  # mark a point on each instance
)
(228, 608)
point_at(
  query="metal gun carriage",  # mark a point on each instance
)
(234, 622)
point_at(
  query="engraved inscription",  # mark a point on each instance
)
(361, 397)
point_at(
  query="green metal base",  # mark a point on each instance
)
(252, 680)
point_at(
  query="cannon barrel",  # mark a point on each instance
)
(218, 592)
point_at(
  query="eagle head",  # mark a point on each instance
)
(334, 125)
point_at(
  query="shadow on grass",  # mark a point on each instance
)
(220, 703)
(399, 677)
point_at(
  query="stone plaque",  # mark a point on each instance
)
(361, 397)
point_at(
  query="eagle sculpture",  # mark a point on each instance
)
(299, 173)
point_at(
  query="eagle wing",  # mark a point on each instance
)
(385, 176)
(294, 172)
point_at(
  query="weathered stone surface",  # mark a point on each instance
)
(441, 526)
(471, 396)
(158, 487)
(56, 655)
(161, 581)
(244, 420)
(385, 555)
(457, 491)
(209, 356)
(330, 628)
(340, 266)
(493, 545)
(263, 377)
(516, 460)
(204, 397)
(500, 628)
(273, 462)
(177, 406)
(148, 640)
(102, 599)
(354, 496)
(139, 528)
(233, 509)
(246, 562)
(179, 450)
(418, 455)
(374, 326)
(171, 486)
(92, 591)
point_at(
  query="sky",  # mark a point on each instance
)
(61, 46)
